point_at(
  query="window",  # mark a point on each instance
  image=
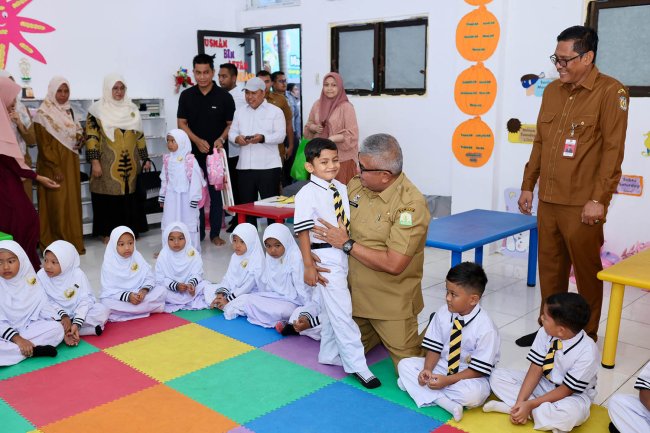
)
(381, 58)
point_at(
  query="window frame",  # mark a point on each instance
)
(379, 54)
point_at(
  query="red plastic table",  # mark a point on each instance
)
(279, 214)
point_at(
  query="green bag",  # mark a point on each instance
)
(298, 170)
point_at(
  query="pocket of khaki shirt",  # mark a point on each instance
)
(584, 130)
(545, 124)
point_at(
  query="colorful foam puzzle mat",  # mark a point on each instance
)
(193, 371)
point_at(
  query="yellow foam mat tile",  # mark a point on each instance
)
(176, 352)
(477, 421)
(157, 409)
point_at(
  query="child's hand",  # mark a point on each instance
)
(311, 276)
(221, 301)
(520, 412)
(142, 293)
(301, 324)
(66, 323)
(26, 347)
(424, 377)
(190, 289)
(438, 381)
(72, 337)
(134, 298)
(181, 287)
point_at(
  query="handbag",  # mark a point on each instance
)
(148, 188)
(298, 170)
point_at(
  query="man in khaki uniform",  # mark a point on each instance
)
(280, 101)
(388, 226)
(576, 156)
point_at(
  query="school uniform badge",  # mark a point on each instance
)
(31, 281)
(405, 219)
(134, 267)
(244, 263)
(69, 292)
(191, 253)
(179, 158)
(623, 102)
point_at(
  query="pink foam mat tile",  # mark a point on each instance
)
(121, 332)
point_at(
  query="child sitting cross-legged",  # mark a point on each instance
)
(462, 346)
(560, 385)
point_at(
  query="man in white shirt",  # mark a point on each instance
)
(228, 81)
(258, 128)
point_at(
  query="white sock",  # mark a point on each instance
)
(365, 374)
(496, 406)
(455, 409)
(400, 384)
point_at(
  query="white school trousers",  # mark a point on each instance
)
(467, 392)
(122, 311)
(313, 309)
(340, 335)
(561, 415)
(628, 414)
(97, 316)
(39, 332)
(261, 308)
(175, 301)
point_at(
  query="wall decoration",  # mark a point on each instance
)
(473, 142)
(516, 245)
(475, 90)
(11, 26)
(477, 35)
(478, 2)
(535, 84)
(235, 50)
(630, 185)
(181, 78)
(521, 132)
(646, 143)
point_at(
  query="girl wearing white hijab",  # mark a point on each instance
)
(67, 286)
(281, 287)
(59, 135)
(181, 186)
(117, 151)
(28, 323)
(128, 286)
(179, 269)
(243, 273)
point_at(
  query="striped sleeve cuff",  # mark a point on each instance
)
(230, 296)
(226, 293)
(78, 321)
(574, 384)
(124, 297)
(9, 334)
(480, 366)
(302, 226)
(194, 282)
(313, 321)
(173, 286)
(194, 204)
(432, 345)
(642, 383)
(161, 199)
(61, 314)
(535, 358)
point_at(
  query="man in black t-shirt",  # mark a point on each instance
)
(205, 112)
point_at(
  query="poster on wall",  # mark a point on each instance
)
(11, 28)
(473, 143)
(240, 49)
(271, 49)
(534, 84)
(630, 185)
(518, 132)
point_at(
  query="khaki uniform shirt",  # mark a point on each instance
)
(281, 102)
(397, 219)
(596, 112)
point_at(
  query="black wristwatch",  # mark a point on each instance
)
(347, 246)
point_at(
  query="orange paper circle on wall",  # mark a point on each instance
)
(478, 2)
(477, 35)
(475, 90)
(473, 142)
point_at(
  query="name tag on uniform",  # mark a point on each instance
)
(570, 145)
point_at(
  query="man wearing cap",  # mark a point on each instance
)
(258, 128)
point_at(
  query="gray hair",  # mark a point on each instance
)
(385, 151)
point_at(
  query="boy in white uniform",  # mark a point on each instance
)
(463, 347)
(560, 385)
(630, 414)
(326, 198)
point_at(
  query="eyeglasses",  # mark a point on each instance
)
(364, 169)
(563, 62)
(281, 81)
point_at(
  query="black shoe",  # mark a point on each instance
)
(44, 351)
(371, 383)
(232, 225)
(526, 340)
(612, 428)
(98, 330)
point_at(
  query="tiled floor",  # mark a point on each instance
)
(248, 379)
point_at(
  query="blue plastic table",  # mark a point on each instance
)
(475, 228)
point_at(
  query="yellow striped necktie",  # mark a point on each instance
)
(454, 346)
(549, 361)
(338, 207)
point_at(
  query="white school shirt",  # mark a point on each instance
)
(480, 343)
(643, 381)
(185, 266)
(237, 94)
(316, 200)
(575, 365)
(268, 120)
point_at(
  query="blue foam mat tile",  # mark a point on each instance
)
(340, 408)
(241, 330)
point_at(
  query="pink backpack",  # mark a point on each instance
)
(215, 169)
(189, 165)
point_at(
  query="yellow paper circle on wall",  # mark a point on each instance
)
(473, 142)
(475, 90)
(477, 35)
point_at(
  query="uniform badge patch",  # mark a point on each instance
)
(191, 253)
(31, 281)
(623, 102)
(405, 219)
(134, 267)
(69, 292)
(244, 263)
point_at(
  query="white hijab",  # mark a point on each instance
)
(178, 180)
(285, 275)
(122, 274)
(71, 286)
(21, 298)
(57, 118)
(115, 114)
(251, 261)
(179, 266)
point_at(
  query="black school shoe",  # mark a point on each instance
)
(526, 340)
(370, 383)
(612, 428)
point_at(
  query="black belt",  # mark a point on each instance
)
(319, 246)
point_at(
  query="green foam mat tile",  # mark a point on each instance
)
(11, 421)
(196, 315)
